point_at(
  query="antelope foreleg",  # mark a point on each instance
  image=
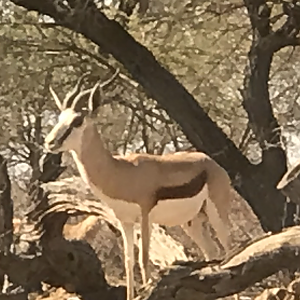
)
(127, 234)
(144, 246)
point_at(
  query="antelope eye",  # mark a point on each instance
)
(77, 122)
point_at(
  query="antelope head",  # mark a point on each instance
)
(74, 115)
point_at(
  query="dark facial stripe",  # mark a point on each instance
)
(77, 122)
(186, 190)
(63, 133)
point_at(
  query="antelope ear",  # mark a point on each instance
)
(55, 97)
(97, 95)
(95, 98)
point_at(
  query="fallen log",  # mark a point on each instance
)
(188, 280)
(257, 261)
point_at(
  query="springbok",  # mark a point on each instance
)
(187, 189)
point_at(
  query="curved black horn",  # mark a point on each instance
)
(78, 102)
(55, 97)
(111, 79)
(70, 97)
(96, 100)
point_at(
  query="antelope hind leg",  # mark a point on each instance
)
(220, 225)
(201, 236)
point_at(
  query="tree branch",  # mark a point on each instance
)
(162, 86)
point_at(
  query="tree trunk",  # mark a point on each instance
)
(6, 214)
(256, 101)
(255, 92)
(6, 209)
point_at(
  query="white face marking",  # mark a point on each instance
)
(63, 136)
(66, 116)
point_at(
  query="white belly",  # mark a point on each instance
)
(177, 211)
(167, 212)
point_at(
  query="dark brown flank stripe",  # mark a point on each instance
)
(186, 190)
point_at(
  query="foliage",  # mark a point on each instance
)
(205, 46)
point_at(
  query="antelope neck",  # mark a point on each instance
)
(94, 161)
